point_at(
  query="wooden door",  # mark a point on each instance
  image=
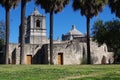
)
(60, 58)
(29, 59)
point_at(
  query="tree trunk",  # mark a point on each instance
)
(7, 37)
(51, 37)
(88, 41)
(22, 41)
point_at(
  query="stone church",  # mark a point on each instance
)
(68, 51)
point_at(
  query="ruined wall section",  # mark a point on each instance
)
(72, 52)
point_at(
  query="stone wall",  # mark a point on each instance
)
(75, 52)
(98, 53)
(14, 53)
(30, 49)
(71, 52)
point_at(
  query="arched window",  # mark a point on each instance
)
(38, 23)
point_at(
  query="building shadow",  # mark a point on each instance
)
(41, 56)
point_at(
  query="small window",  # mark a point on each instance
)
(38, 23)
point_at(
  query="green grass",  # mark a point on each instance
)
(57, 72)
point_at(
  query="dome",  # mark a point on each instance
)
(74, 32)
(35, 12)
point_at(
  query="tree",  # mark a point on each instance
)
(89, 8)
(52, 6)
(2, 41)
(99, 32)
(22, 31)
(2, 34)
(8, 4)
(115, 7)
(108, 33)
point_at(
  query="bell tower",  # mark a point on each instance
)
(36, 28)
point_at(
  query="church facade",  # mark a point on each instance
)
(68, 51)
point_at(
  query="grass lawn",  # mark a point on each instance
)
(57, 72)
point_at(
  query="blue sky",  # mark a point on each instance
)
(63, 21)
